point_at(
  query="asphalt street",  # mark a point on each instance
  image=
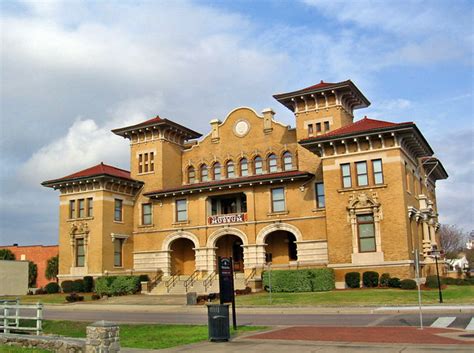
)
(258, 318)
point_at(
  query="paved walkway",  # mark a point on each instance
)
(335, 339)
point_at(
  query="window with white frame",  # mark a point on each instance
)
(320, 198)
(72, 209)
(204, 173)
(377, 171)
(366, 233)
(181, 210)
(217, 171)
(287, 161)
(346, 175)
(278, 199)
(272, 163)
(118, 253)
(362, 174)
(80, 252)
(90, 207)
(146, 214)
(244, 167)
(118, 210)
(230, 169)
(258, 165)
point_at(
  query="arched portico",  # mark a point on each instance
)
(227, 241)
(211, 241)
(179, 252)
(277, 243)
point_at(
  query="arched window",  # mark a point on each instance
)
(272, 163)
(244, 167)
(217, 171)
(204, 173)
(287, 161)
(258, 165)
(230, 169)
(191, 175)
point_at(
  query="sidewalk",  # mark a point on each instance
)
(330, 339)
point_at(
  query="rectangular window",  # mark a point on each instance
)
(407, 177)
(346, 175)
(140, 163)
(310, 129)
(152, 162)
(118, 245)
(366, 232)
(118, 210)
(362, 176)
(90, 207)
(326, 126)
(244, 168)
(80, 253)
(146, 214)
(320, 200)
(145, 162)
(81, 207)
(181, 210)
(318, 127)
(72, 209)
(413, 183)
(377, 170)
(278, 200)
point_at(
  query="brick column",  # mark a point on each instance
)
(103, 337)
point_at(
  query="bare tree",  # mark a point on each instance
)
(453, 240)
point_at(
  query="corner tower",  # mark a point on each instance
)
(155, 151)
(323, 107)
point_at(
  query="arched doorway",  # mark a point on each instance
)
(183, 260)
(230, 245)
(280, 247)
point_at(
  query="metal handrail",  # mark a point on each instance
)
(250, 276)
(172, 281)
(190, 281)
(154, 281)
(208, 281)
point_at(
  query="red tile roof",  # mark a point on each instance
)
(156, 119)
(363, 125)
(321, 84)
(99, 169)
(231, 181)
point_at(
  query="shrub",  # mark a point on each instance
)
(315, 280)
(40, 291)
(144, 278)
(78, 286)
(52, 287)
(247, 290)
(32, 274)
(394, 282)
(431, 281)
(448, 280)
(370, 279)
(66, 286)
(73, 297)
(384, 279)
(88, 284)
(408, 284)
(95, 296)
(352, 279)
(117, 285)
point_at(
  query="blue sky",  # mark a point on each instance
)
(73, 70)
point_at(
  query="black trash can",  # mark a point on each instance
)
(218, 322)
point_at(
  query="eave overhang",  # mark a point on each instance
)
(360, 101)
(434, 168)
(273, 178)
(408, 133)
(60, 183)
(127, 131)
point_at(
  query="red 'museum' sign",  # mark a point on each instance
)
(228, 218)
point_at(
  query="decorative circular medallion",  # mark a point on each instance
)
(241, 128)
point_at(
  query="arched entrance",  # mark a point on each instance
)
(280, 247)
(183, 260)
(230, 245)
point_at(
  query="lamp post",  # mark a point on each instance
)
(435, 253)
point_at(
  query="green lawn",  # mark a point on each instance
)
(142, 336)
(11, 349)
(361, 297)
(58, 298)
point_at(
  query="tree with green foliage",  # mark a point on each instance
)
(32, 274)
(6, 254)
(52, 268)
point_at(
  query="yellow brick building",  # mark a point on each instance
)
(352, 196)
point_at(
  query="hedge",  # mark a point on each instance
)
(88, 284)
(394, 282)
(408, 284)
(370, 279)
(432, 281)
(117, 285)
(352, 279)
(315, 280)
(78, 286)
(52, 287)
(66, 286)
(384, 279)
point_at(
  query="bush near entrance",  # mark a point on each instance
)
(432, 281)
(315, 280)
(88, 284)
(52, 288)
(370, 279)
(408, 284)
(384, 279)
(117, 285)
(352, 279)
(394, 282)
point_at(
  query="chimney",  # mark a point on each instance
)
(215, 130)
(268, 114)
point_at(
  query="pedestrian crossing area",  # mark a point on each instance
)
(446, 321)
